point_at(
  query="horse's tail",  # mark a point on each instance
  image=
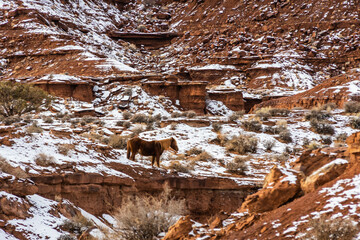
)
(128, 146)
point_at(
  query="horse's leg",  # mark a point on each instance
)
(153, 161)
(158, 160)
(133, 153)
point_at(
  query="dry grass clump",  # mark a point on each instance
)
(322, 127)
(263, 113)
(137, 130)
(144, 217)
(173, 126)
(329, 106)
(285, 136)
(352, 107)
(48, 119)
(117, 141)
(269, 144)
(34, 128)
(139, 118)
(242, 144)
(326, 140)
(178, 167)
(126, 115)
(77, 224)
(238, 165)
(45, 160)
(176, 114)
(220, 139)
(355, 123)
(253, 125)
(317, 114)
(7, 168)
(10, 120)
(204, 156)
(217, 127)
(325, 228)
(65, 148)
(189, 114)
(236, 115)
(194, 151)
(313, 145)
(283, 112)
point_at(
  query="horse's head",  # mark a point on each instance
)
(174, 145)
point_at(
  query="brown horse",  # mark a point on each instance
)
(150, 148)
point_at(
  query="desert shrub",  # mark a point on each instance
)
(317, 114)
(150, 126)
(329, 106)
(194, 151)
(100, 123)
(189, 114)
(65, 148)
(204, 156)
(119, 123)
(6, 167)
(44, 160)
(253, 125)
(352, 107)
(66, 237)
(128, 91)
(27, 118)
(48, 119)
(17, 98)
(326, 140)
(77, 224)
(313, 145)
(220, 139)
(11, 119)
(143, 218)
(34, 128)
(137, 130)
(269, 144)
(279, 112)
(216, 127)
(237, 166)
(322, 127)
(139, 118)
(126, 124)
(178, 167)
(263, 113)
(117, 141)
(242, 144)
(173, 126)
(176, 114)
(281, 158)
(341, 137)
(236, 115)
(126, 115)
(355, 123)
(157, 117)
(285, 136)
(325, 228)
(88, 119)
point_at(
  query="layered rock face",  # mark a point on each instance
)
(98, 194)
(336, 90)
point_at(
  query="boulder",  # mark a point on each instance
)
(323, 175)
(180, 229)
(280, 186)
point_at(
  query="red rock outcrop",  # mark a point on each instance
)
(280, 186)
(82, 91)
(231, 98)
(190, 94)
(337, 90)
(180, 229)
